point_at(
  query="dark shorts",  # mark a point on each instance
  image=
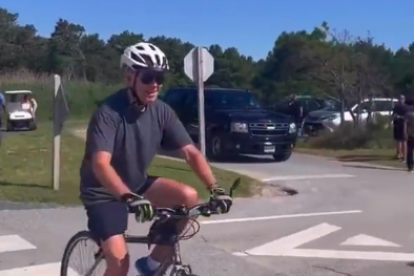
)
(107, 219)
(399, 133)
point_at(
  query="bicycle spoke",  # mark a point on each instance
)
(84, 261)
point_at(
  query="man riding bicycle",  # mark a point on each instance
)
(123, 137)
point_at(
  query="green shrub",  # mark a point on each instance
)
(371, 135)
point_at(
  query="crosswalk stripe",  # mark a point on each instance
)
(9, 243)
(50, 269)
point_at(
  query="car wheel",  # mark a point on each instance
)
(9, 126)
(32, 125)
(214, 148)
(282, 157)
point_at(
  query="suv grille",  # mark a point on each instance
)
(269, 129)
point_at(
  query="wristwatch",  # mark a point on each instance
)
(212, 187)
(128, 197)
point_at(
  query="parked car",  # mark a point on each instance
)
(308, 103)
(329, 118)
(20, 114)
(235, 123)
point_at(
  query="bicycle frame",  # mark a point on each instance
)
(175, 261)
(165, 234)
(166, 237)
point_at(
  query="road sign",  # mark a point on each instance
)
(199, 66)
(192, 63)
(288, 246)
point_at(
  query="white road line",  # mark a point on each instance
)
(350, 255)
(50, 269)
(292, 241)
(9, 243)
(232, 220)
(306, 177)
(366, 240)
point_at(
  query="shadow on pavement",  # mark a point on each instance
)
(246, 159)
(373, 167)
(24, 185)
(364, 158)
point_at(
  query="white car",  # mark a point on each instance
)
(330, 117)
(21, 114)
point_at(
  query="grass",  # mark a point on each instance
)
(25, 170)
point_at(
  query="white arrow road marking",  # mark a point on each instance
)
(51, 269)
(11, 243)
(287, 246)
(365, 240)
(295, 240)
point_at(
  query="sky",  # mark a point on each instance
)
(250, 25)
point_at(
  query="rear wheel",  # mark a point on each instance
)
(32, 125)
(9, 126)
(82, 256)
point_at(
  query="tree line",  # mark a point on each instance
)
(323, 62)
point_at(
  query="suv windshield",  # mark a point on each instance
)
(231, 99)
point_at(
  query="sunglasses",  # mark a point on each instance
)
(148, 76)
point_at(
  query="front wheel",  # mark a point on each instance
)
(86, 254)
(215, 147)
(9, 126)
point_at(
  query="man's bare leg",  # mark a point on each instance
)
(116, 256)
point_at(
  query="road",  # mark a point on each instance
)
(345, 221)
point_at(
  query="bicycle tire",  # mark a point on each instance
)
(71, 245)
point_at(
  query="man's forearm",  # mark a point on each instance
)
(110, 179)
(201, 167)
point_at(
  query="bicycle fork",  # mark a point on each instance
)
(177, 267)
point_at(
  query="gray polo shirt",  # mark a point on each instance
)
(132, 137)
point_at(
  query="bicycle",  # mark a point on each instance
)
(161, 232)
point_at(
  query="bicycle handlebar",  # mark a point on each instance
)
(204, 209)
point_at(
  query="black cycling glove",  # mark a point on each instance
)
(222, 200)
(139, 206)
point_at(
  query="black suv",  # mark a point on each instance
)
(235, 122)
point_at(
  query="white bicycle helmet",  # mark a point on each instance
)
(144, 55)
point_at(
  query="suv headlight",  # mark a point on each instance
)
(292, 128)
(239, 127)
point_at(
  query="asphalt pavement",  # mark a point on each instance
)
(347, 219)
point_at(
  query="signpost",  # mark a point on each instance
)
(60, 114)
(199, 66)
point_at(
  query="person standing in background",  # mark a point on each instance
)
(398, 127)
(409, 133)
(296, 110)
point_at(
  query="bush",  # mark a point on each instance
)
(349, 137)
